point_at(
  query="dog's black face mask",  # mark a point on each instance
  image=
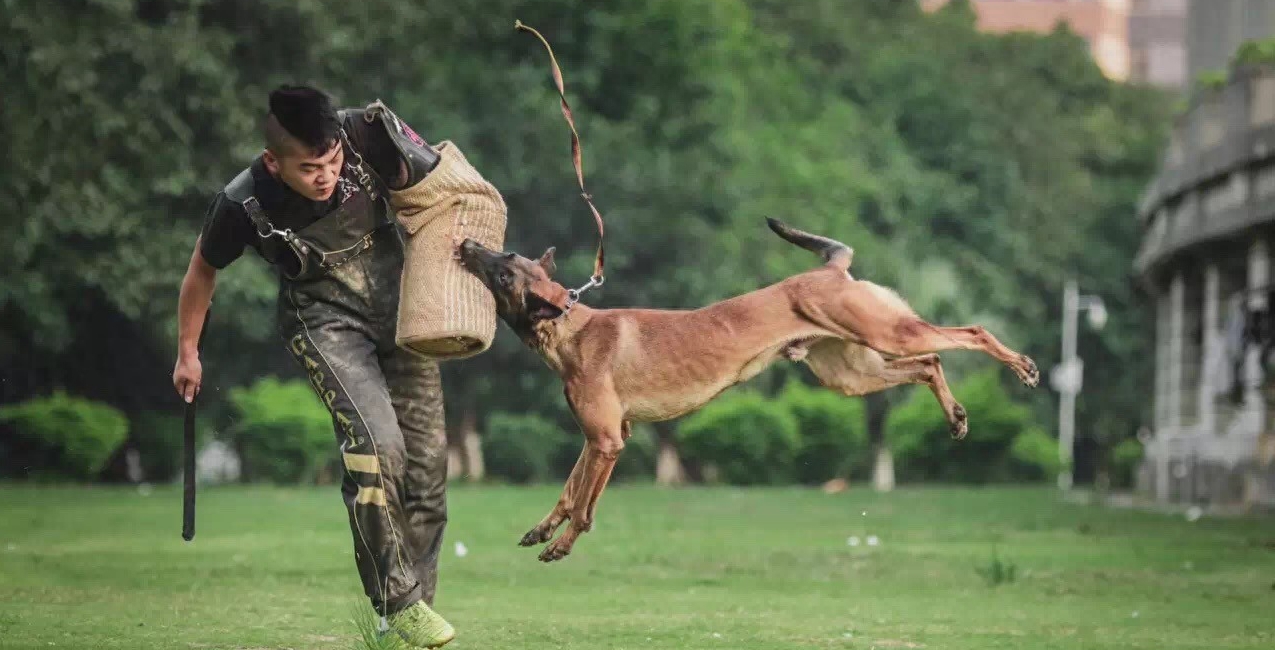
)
(524, 289)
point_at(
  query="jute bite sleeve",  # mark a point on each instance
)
(444, 311)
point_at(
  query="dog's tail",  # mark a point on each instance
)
(833, 252)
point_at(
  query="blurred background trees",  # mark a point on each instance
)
(972, 172)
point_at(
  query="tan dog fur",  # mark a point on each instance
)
(643, 365)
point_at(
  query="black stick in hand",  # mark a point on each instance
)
(188, 492)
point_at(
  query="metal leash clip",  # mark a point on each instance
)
(573, 295)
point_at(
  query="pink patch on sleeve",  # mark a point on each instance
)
(411, 134)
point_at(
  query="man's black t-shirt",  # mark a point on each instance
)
(227, 229)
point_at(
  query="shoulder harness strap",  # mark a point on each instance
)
(239, 190)
(258, 217)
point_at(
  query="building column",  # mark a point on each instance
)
(1170, 420)
(1259, 278)
(1177, 332)
(1211, 349)
(1156, 448)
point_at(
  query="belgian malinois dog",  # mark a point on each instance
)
(620, 366)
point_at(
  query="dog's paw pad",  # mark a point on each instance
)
(553, 554)
(533, 537)
(1028, 372)
(960, 423)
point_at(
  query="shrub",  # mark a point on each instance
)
(997, 571)
(924, 449)
(158, 438)
(1209, 81)
(1036, 454)
(283, 432)
(522, 448)
(1259, 52)
(831, 429)
(746, 438)
(63, 436)
(913, 429)
(1125, 458)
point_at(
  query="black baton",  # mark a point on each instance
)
(188, 493)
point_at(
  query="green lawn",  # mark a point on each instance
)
(689, 568)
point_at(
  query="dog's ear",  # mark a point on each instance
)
(546, 301)
(546, 261)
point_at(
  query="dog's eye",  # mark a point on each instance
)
(505, 278)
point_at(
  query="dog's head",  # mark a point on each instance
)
(525, 292)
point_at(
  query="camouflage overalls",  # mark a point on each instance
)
(337, 315)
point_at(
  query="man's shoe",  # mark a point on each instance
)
(421, 627)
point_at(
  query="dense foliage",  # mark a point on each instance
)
(972, 172)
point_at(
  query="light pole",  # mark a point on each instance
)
(1068, 375)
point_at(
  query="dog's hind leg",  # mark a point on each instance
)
(926, 369)
(915, 337)
(852, 369)
(878, 318)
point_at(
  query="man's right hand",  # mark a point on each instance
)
(187, 376)
(192, 308)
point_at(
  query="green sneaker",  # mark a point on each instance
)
(421, 627)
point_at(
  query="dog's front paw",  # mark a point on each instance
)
(1027, 371)
(960, 422)
(537, 535)
(555, 551)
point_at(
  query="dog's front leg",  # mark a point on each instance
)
(600, 419)
(544, 530)
(625, 431)
(599, 461)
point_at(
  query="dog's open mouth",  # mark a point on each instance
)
(540, 309)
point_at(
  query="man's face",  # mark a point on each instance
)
(313, 177)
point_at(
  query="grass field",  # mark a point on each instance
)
(691, 568)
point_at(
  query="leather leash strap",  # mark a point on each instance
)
(598, 277)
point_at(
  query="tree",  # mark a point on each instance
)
(969, 171)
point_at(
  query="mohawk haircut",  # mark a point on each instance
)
(301, 117)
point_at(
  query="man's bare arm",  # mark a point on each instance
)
(192, 305)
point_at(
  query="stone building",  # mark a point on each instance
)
(1206, 256)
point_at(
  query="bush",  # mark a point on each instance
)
(158, 438)
(832, 432)
(62, 437)
(1209, 81)
(1125, 458)
(522, 448)
(283, 432)
(925, 451)
(1036, 454)
(1259, 52)
(746, 438)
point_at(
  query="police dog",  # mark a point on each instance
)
(620, 366)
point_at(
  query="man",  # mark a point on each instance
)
(313, 204)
